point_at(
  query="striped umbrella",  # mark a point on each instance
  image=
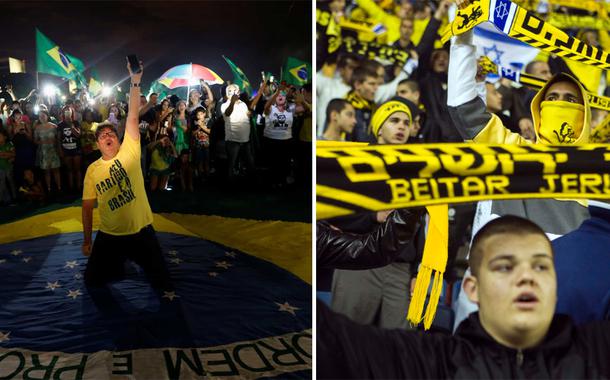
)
(188, 75)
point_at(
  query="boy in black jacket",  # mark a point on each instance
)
(514, 335)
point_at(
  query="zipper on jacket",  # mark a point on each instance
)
(519, 358)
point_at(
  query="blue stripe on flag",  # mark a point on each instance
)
(498, 37)
(501, 12)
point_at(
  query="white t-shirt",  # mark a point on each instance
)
(278, 124)
(237, 126)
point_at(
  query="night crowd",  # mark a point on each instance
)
(218, 135)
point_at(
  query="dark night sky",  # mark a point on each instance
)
(256, 35)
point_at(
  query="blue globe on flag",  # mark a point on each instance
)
(302, 73)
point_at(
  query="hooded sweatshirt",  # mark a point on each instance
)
(468, 111)
(494, 132)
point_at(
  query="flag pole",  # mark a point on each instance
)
(37, 85)
(188, 85)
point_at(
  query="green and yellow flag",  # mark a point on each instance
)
(296, 72)
(95, 87)
(239, 78)
(50, 59)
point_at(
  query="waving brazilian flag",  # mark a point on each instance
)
(296, 72)
(50, 59)
(239, 78)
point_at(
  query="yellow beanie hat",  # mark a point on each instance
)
(384, 111)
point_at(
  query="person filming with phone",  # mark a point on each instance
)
(116, 183)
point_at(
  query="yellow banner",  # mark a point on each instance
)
(525, 26)
(383, 177)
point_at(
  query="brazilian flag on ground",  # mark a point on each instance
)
(296, 72)
(239, 78)
(50, 59)
(240, 263)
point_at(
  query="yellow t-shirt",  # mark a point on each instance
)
(118, 186)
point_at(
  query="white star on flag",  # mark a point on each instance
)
(78, 276)
(231, 254)
(494, 49)
(223, 264)
(287, 308)
(173, 252)
(69, 242)
(176, 260)
(501, 11)
(16, 252)
(74, 293)
(2, 261)
(212, 274)
(4, 337)
(27, 259)
(170, 295)
(53, 285)
(71, 264)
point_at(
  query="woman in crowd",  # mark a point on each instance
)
(201, 143)
(87, 138)
(48, 153)
(69, 134)
(116, 118)
(181, 141)
(25, 151)
(195, 98)
(4, 112)
(7, 155)
(162, 155)
(163, 124)
(16, 121)
(277, 136)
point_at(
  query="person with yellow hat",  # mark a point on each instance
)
(391, 123)
(379, 296)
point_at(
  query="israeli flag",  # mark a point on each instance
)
(501, 49)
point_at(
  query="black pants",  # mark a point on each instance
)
(279, 154)
(233, 151)
(109, 253)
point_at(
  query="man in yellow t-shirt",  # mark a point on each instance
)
(116, 182)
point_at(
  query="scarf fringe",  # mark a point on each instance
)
(416, 306)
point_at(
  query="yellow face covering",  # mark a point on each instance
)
(560, 122)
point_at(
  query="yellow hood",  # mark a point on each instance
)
(586, 127)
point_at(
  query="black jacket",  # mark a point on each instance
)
(343, 250)
(346, 349)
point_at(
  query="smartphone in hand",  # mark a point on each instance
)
(134, 63)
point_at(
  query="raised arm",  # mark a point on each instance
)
(210, 97)
(149, 104)
(271, 101)
(465, 97)
(302, 106)
(258, 96)
(131, 125)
